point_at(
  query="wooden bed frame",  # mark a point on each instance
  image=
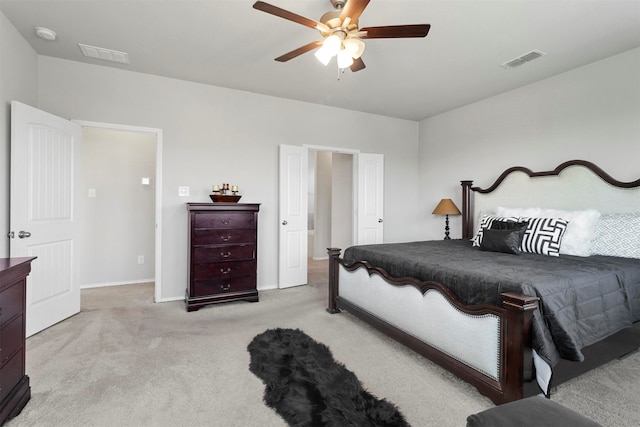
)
(515, 379)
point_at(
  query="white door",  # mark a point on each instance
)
(370, 188)
(44, 212)
(293, 216)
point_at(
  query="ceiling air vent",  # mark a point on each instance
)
(523, 59)
(102, 53)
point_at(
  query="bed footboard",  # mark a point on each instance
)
(440, 327)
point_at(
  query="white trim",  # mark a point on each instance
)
(122, 283)
(158, 212)
(332, 149)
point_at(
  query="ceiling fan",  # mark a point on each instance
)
(341, 36)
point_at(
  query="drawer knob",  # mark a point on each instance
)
(225, 238)
(225, 255)
(226, 221)
(225, 287)
(227, 271)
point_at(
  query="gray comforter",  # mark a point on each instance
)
(583, 300)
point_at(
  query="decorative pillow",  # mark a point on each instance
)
(543, 235)
(503, 240)
(509, 225)
(485, 223)
(617, 235)
(579, 234)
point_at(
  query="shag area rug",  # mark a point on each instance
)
(307, 387)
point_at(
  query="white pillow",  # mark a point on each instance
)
(580, 231)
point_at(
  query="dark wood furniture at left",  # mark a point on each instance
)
(223, 242)
(15, 391)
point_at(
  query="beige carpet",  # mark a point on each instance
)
(126, 361)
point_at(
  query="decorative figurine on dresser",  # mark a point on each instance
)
(223, 242)
(15, 390)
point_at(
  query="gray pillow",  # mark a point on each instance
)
(504, 237)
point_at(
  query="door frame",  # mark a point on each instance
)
(158, 196)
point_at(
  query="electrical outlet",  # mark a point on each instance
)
(92, 192)
(183, 191)
(140, 259)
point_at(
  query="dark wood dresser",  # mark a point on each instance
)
(223, 243)
(15, 391)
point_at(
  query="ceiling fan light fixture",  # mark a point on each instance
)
(345, 60)
(323, 55)
(354, 46)
(333, 43)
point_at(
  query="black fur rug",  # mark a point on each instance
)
(307, 387)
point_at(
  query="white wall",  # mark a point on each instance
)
(18, 81)
(590, 113)
(213, 135)
(341, 201)
(118, 224)
(323, 203)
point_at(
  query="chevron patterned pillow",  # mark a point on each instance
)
(617, 235)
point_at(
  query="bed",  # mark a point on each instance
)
(511, 322)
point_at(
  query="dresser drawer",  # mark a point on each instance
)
(10, 373)
(11, 300)
(223, 270)
(11, 339)
(212, 236)
(222, 286)
(207, 254)
(225, 220)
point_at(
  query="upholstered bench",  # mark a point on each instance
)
(535, 411)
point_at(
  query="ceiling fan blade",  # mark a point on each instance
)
(274, 10)
(299, 51)
(358, 64)
(396, 31)
(353, 9)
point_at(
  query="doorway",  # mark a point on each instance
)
(365, 207)
(121, 193)
(330, 202)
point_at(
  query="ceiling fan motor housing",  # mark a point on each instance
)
(332, 20)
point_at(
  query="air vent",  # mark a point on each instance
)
(523, 59)
(105, 54)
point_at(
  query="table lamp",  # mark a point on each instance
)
(446, 207)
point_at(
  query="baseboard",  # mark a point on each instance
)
(125, 282)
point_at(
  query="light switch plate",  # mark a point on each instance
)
(91, 193)
(183, 191)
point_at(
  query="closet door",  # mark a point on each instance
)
(293, 216)
(370, 188)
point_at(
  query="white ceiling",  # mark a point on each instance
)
(228, 43)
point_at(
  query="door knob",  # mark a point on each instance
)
(284, 222)
(24, 234)
(380, 220)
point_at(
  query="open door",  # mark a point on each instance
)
(44, 212)
(293, 216)
(370, 188)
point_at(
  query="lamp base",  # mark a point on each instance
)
(446, 227)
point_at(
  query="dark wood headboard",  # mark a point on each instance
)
(467, 187)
